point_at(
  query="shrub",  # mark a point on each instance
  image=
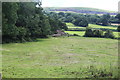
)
(109, 34)
(118, 28)
(98, 33)
(88, 32)
(75, 35)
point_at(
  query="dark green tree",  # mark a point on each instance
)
(118, 28)
(89, 32)
(105, 19)
(9, 18)
(118, 16)
(97, 33)
(109, 34)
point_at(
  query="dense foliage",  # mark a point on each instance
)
(118, 28)
(98, 33)
(84, 19)
(26, 22)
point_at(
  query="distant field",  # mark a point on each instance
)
(62, 57)
(70, 25)
(99, 26)
(81, 33)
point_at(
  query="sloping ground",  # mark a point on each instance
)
(84, 10)
(62, 57)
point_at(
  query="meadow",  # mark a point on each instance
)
(62, 57)
(30, 51)
(0, 58)
(93, 26)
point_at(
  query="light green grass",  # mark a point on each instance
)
(70, 25)
(81, 33)
(117, 34)
(99, 26)
(0, 58)
(63, 57)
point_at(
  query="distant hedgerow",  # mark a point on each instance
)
(98, 33)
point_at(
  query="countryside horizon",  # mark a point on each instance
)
(61, 43)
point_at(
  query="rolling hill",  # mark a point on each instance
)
(84, 10)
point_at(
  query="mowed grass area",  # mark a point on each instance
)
(0, 58)
(81, 33)
(70, 25)
(62, 57)
(104, 27)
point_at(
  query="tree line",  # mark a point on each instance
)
(24, 21)
(84, 19)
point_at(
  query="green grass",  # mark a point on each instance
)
(117, 34)
(63, 57)
(99, 26)
(81, 33)
(70, 25)
(0, 58)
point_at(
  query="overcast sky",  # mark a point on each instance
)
(111, 5)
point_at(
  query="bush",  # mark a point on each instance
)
(118, 28)
(75, 35)
(109, 34)
(88, 32)
(98, 33)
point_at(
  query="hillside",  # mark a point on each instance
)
(83, 10)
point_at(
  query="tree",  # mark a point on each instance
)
(25, 22)
(118, 16)
(97, 33)
(118, 28)
(109, 34)
(105, 19)
(88, 32)
(81, 21)
(69, 19)
(9, 17)
(61, 13)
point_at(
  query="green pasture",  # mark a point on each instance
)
(81, 33)
(70, 25)
(61, 57)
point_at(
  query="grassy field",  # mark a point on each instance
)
(81, 33)
(104, 27)
(63, 57)
(0, 58)
(70, 25)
